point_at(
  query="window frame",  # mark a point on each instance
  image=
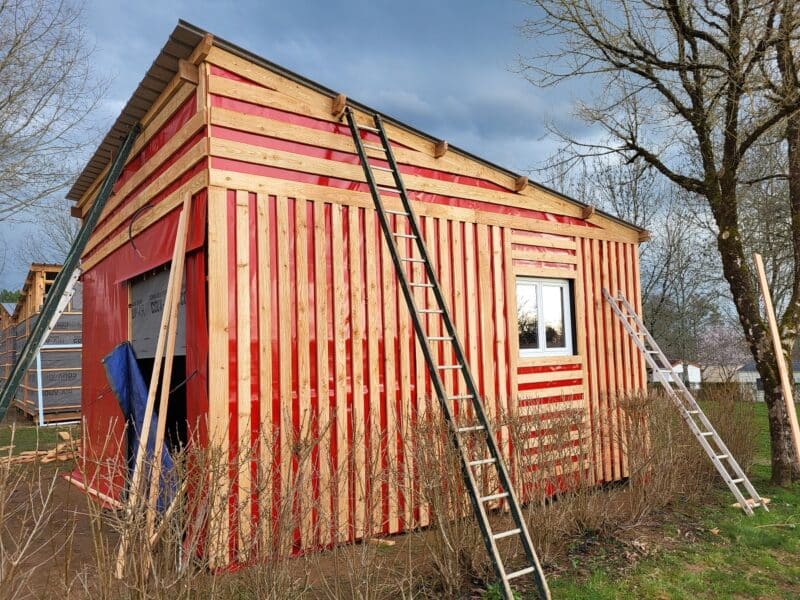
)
(566, 307)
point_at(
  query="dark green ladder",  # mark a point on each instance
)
(64, 284)
(466, 437)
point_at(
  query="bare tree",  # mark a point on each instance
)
(679, 298)
(46, 90)
(55, 231)
(680, 87)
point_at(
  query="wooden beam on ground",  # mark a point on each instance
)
(93, 492)
(587, 212)
(338, 106)
(520, 183)
(786, 385)
(440, 149)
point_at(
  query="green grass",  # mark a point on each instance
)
(730, 555)
(31, 437)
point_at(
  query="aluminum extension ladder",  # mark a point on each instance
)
(475, 442)
(690, 410)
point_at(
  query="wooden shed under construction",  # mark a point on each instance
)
(51, 389)
(293, 323)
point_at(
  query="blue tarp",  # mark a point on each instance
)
(131, 390)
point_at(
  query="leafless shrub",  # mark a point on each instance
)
(28, 537)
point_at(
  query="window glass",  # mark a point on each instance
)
(553, 316)
(543, 316)
(528, 316)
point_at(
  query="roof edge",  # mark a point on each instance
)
(186, 31)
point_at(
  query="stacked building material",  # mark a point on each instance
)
(51, 389)
(7, 335)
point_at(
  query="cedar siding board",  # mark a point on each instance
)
(302, 331)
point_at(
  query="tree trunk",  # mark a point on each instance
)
(738, 274)
(784, 468)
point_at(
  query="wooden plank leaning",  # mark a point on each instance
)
(134, 494)
(174, 304)
(783, 370)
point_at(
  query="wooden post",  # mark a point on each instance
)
(141, 450)
(787, 386)
(173, 304)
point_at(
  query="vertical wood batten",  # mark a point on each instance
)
(341, 461)
(390, 416)
(283, 417)
(303, 417)
(218, 415)
(324, 426)
(263, 233)
(242, 295)
(373, 434)
(357, 319)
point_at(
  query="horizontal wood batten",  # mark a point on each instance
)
(125, 207)
(225, 178)
(279, 92)
(171, 99)
(150, 217)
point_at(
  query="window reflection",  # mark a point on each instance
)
(528, 316)
(553, 316)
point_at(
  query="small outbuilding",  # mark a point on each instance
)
(293, 322)
(50, 391)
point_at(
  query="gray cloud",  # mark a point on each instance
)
(442, 67)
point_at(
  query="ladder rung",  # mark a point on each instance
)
(706, 433)
(505, 534)
(380, 168)
(483, 461)
(448, 367)
(408, 236)
(401, 213)
(491, 497)
(520, 573)
(371, 147)
(385, 188)
(430, 311)
(460, 397)
(470, 428)
(367, 128)
(737, 481)
(422, 285)
(439, 338)
(722, 456)
(693, 412)
(412, 259)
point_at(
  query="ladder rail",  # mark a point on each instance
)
(466, 373)
(66, 278)
(688, 397)
(465, 462)
(683, 397)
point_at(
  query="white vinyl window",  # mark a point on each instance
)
(543, 317)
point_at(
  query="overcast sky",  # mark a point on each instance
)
(444, 67)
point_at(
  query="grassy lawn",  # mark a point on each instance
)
(31, 437)
(728, 555)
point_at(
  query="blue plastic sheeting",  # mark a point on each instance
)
(131, 390)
